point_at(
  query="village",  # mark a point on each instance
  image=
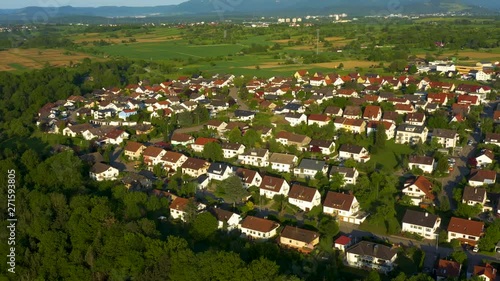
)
(300, 145)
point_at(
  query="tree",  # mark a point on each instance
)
(232, 190)
(380, 136)
(203, 226)
(328, 227)
(373, 276)
(459, 256)
(412, 69)
(442, 165)
(234, 135)
(491, 236)
(213, 152)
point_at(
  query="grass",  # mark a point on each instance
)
(388, 157)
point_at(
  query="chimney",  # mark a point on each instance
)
(426, 214)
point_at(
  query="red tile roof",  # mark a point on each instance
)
(467, 227)
(133, 146)
(343, 240)
(338, 200)
(372, 111)
(424, 185)
(258, 224)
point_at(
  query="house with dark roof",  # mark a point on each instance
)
(349, 174)
(181, 139)
(473, 196)
(416, 118)
(298, 238)
(424, 163)
(308, 168)
(304, 197)
(219, 171)
(258, 228)
(195, 167)
(226, 220)
(231, 150)
(485, 158)
(344, 206)
(289, 139)
(249, 177)
(466, 231)
(421, 223)
(244, 115)
(258, 157)
(370, 255)
(217, 125)
(446, 138)
(173, 160)
(272, 186)
(356, 152)
(103, 172)
(479, 177)
(411, 134)
(333, 111)
(492, 138)
(447, 270)
(322, 146)
(352, 112)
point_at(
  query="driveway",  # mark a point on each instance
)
(233, 92)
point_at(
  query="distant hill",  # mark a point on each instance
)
(268, 7)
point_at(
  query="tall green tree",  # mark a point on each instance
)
(213, 151)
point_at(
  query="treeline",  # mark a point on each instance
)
(71, 229)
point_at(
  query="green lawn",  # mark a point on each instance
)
(390, 157)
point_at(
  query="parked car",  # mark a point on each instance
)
(470, 142)
(475, 249)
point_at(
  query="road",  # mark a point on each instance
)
(233, 92)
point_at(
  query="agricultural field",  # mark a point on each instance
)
(24, 59)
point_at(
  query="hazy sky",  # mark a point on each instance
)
(7, 4)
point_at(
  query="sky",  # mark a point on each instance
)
(7, 4)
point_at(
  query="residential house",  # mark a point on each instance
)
(226, 220)
(181, 139)
(298, 238)
(485, 158)
(249, 177)
(283, 162)
(126, 113)
(195, 167)
(172, 161)
(352, 112)
(272, 186)
(304, 197)
(342, 243)
(258, 228)
(133, 150)
(424, 163)
(468, 100)
(473, 196)
(390, 116)
(152, 155)
(200, 143)
(356, 152)
(349, 174)
(231, 150)
(322, 146)
(289, 139)
(219, 171)
(417, 119)
(116, 136)
(421, 223)
(404, 108)
(479, 177)
(441, 98)
(411, 134)
(390, 128)
(181, 208)
(244, 115)
(75, 130)
(466, 231)
(295, 119)
(372, 112)
(308, 168)
(217, 125)
(446, 138)
(319, 119)
(103, 172)
(333, 111)
(492, 138)
(448, 270)
(479, 75)
(370, 255)
(355, 126)
(258, 157)
(344, 206)
(486, 272)
(419, 190)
